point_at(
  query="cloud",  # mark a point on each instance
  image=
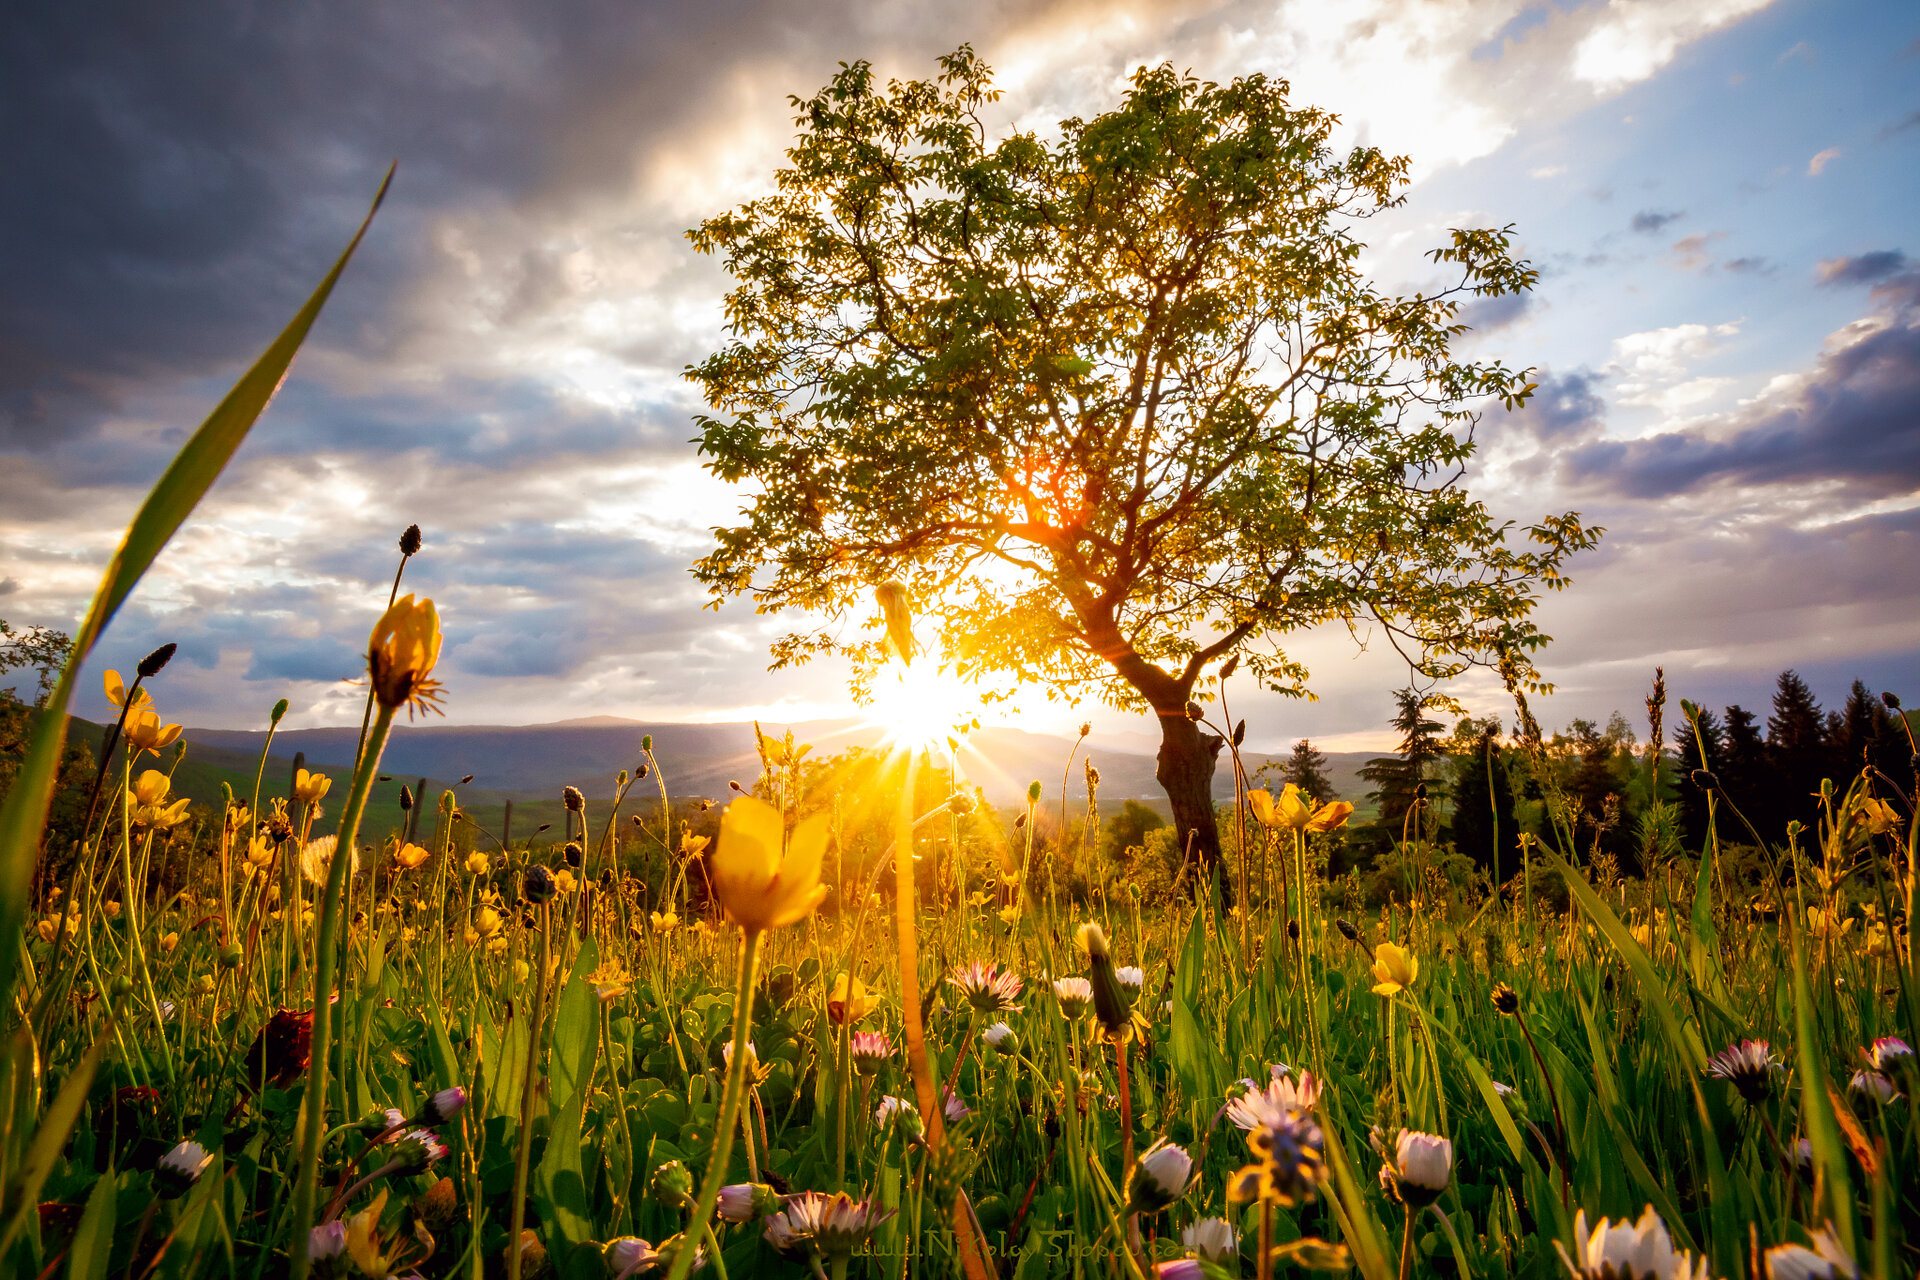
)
(1690, 252)
(1651, 222)
(1749, 266)
(1820, 161)
(1865, 268)
(1563, 407)
(1908, 121)
(1635, 38)
(1851, 423)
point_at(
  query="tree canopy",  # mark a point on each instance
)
(1113, 404)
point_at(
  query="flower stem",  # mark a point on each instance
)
(314, 1101)
(523, 1152)
(1406, 1247)
(729, 1106)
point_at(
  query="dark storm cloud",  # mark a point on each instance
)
(1651, 222)
(179, 177)
(1855, 418)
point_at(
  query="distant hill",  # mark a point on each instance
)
(529, 764)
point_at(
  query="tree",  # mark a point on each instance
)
(1128, 830)
(1397, 778)
(1112, 406)
(1797, 751)
(39, 649)
(1305, 768)
(1744, 770)
(1484, 826)
(1867, 736)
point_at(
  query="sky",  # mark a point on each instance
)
(1720, 196)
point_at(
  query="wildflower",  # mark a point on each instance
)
(1213, 1239)
(1131, 978)
(988, 987)
(478, 863)
(117, 693)
(663, 921)
(1617, 1251)
(1000, 1039)
(609, 981)
(282, 1049)
(1827, 1260)
(1888, 1052)
(179, 1169)
(328, 1240)
(1160, 1177)
(759, 886)
(572, 798)
(837, 1224)
(1111, 1003)
(441, 1107)
(1179, 1269)
(144, 732)
(401, 651)
(1257, 1108)
(627, 1255)
(1074, 995)
(564, 881)
(1871, 1084)
(1420, 1168)
(954, 1108)
(1010, 915)
(310, 788)
(416, 1151)
(1876, 815)
(1395, 967)
(1295, 810)
(316, 859)
(379, 1123)
(849, 1001)
(1291, 1162)
(1505, 999)
(486, 922)
(409, 856)
(151, 787)
(538, 886)
(747, 1202)
(1749, 1066)
(869, 1051)
(898, 1111)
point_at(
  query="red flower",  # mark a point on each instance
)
(281, 1051)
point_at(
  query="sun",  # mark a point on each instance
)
(921, 706)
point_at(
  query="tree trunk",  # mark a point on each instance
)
(1185, 772)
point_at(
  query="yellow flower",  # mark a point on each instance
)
(609, 981)
(1878, 815)
(168, 941)
(487, 923)
(259, 853)
(691, 845)
(1294, 810)
(309, 788)
(563, 881)
(117, 693)
(1395, 967)
(845, 1006)
(400, 655)
(409, 856)
(701, 929)
(478, 863)
(663, 921)
(1828, 923)
(151, 787)
(145, 732)
(1010, 915)
(470, 936)
(759, 887)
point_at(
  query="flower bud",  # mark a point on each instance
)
(151, 665)
(441, 1107)
(416, 1151)
(1347, 930)
(279, 710)
(1001, 1039)
(1033, 792)
(1160, 1177)
(1505, 999)
(539, 886)
(1704, 780)
(406, 799)
(571, 797)
(410, 541)
(231, 955)
(179, 1169)
(672, 1184)
(1422, 1165)
(746, 1202)
(327, 1241)
(571, 853)
(1892, 700)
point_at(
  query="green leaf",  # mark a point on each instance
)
(93, 1240)
(1823, 1129)
(47, 1142)
(187, 479)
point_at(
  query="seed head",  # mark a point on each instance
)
(539, 886)
(1347, 930)
(1703, 779)
(1892, 700)
(410, 541)
(1506, 999)
(571, 797)
(406, 799)
(572, 853)
(151, 665)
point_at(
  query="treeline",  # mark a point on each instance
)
(1629, 803)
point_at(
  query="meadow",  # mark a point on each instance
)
(641, 1049)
